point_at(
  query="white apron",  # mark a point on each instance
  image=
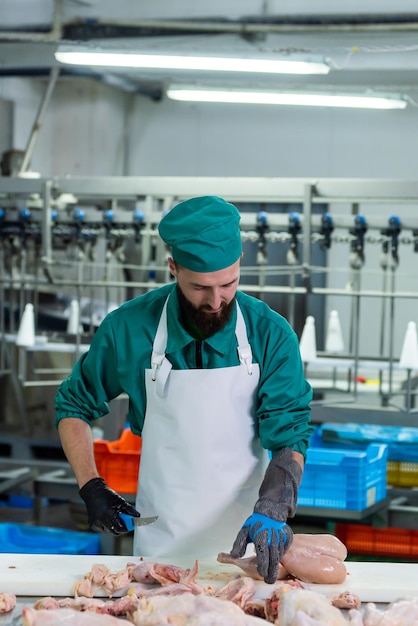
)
(201, 465)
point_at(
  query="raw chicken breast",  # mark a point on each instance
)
(316, 558)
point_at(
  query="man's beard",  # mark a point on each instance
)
(207, 323)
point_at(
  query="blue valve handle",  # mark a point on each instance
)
(273, 527)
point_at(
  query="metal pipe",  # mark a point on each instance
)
(307, 236)
(38, 121)
(243, 27)
(3, 369)
(391, 331)
(253, 288)
(46, 224)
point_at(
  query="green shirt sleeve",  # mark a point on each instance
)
(119, 353)
(284, 395)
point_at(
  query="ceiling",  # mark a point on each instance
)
(369, 47)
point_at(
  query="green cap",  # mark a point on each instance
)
(203, 233)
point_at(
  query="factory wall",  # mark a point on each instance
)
(83, 132)
(171, 138)
(94, 129)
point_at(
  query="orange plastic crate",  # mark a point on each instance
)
(361, 539)
(118, 461)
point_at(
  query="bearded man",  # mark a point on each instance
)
(215, 381)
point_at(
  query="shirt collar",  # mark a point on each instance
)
(178, 337)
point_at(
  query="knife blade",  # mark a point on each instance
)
(131, 522)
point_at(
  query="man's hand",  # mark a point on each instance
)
(271, 540)
(103, 507)
(267, 527)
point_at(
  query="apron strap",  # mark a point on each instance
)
(245, 354)
(161, 366)
(160, 343)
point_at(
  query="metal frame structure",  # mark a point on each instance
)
(157, 194)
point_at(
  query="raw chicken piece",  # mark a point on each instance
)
(173, 580)
(273, 600)
(151, 573)
(249, 565)
(239, 591)
(120, 606)
(346, 600)
(175, 589)
(100, 577)
(191, 610)
(300, 607)
(255, 607)
(144, 573)
(311, 558)
(78, 604)
(402, 612)
(68, 617)
(7, 602)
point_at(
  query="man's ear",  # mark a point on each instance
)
(172, 266)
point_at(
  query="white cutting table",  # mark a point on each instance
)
(31, 575)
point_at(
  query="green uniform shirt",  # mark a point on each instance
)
(121, 349)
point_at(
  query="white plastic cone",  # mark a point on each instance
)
(334, 342)
(26, 333)
(307, 344)
(409, 354)
(73, 325)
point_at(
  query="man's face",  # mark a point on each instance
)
(207, 298)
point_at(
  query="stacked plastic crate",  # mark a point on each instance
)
(118, 461)
(344, 479)
(401, 471)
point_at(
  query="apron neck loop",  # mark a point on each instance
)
(245, 354)
(156, 360)
(246, 357)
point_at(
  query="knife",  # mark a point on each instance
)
(131, 522)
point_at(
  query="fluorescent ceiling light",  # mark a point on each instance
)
(182, 62)
(194, 94)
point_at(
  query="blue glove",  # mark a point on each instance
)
(271, 540)
(267, 527)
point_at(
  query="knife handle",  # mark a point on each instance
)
(128, 520)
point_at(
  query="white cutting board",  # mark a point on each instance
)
(55, 575)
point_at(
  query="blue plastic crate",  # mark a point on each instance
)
(22, 539)
(402, 441)
(344, 479)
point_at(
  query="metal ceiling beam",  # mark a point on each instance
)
(247, 26)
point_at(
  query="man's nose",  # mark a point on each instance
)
(214, 299)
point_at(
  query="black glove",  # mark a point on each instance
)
(267, 527)
(103, 507)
